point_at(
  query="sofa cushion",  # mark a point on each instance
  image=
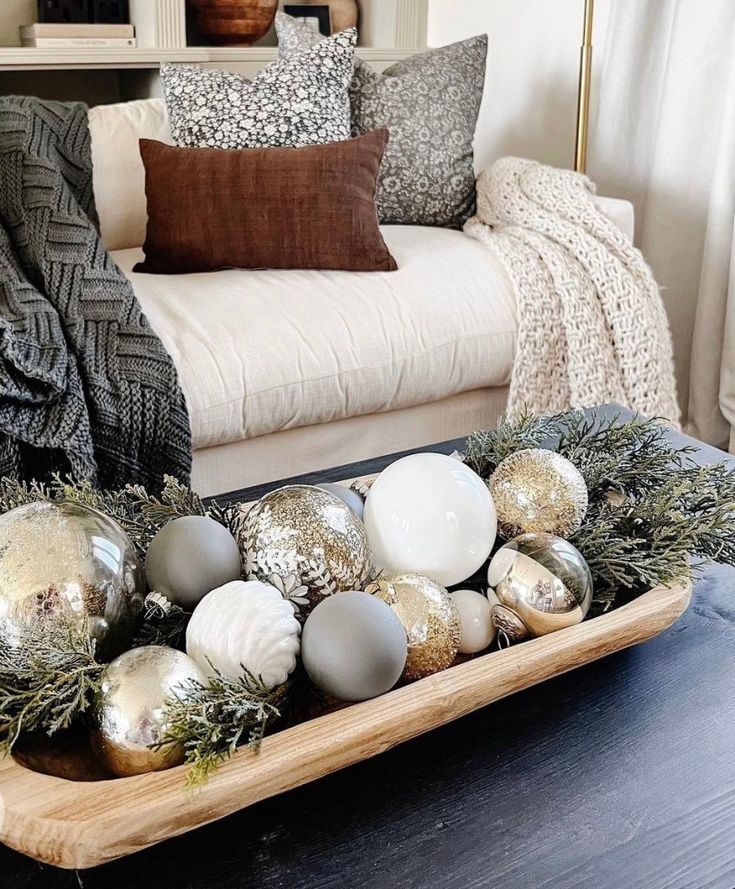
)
(430, 103)
(259, 351)
(119, 177)
(290, 103)
(264, 208)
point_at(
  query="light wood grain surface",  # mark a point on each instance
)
(81, 824)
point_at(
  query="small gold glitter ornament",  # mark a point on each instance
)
(62, 561)
(428, 615)
(542, 584)
(538, 490)
(129, 714)
(306, 542)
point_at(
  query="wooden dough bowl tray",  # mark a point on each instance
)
(82, 823)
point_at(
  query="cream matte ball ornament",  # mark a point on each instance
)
(433, 515)
(475, 618)
(354, 646)
(189, 557)
(306, 542)
(64, 561)
(429, 617)
(542, 584)
(350, 496)
(129, 712)
(538, 490)
(245, 624)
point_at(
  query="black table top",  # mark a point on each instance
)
(620, 774)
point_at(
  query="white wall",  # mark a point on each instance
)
(530, 100)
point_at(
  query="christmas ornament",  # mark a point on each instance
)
(475, 619)
(350, 496)
(189, 557)
(306, 542)
(538, 490)
(429, 617)
(246, 625)
(430, 514)
(542, 583)
(61, 561)
(128, 715)
(354, 646)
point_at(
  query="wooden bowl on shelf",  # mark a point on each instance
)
(231, 22)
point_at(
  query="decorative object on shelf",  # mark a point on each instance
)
(110, 12)
(231, 22)
(542, 583)
(430, 514)
(63, 11)
(129, 714)
(429, 617)
(306, 542)
(354, 646)
(65, 561)
(475, 619)
(245, 626)
(189, 557)
(351, 496)
(315, 16)
(538, 490)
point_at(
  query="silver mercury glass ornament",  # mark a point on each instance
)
(129, 713)
(542, 584)
(65, 561)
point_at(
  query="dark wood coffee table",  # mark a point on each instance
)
(621, 774)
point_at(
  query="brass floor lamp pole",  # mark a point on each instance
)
(583, 95)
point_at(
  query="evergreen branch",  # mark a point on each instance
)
(485, 448)
(48, 676)
(163, 623)
(212, 720)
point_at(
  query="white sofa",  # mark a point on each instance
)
(290, 371)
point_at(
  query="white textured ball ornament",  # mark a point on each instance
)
(475, 618)
(432, 515)
(245, 624)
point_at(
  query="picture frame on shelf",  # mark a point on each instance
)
(317, 16)
(63, 11)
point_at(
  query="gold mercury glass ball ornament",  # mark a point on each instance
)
(538, 490)
(306, 542)
(542, 584)
(129, 713)
(428, 615)
(64, 561)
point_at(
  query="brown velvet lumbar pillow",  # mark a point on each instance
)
(274, 208)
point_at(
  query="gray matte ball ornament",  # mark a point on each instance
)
(346, 495)
(353, 646)
(189, 558)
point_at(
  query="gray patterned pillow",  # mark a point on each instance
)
(430, 104)
(293, 102)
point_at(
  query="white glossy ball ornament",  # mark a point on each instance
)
(354, 646)
(475, 618)
(245, 624)
(432, 515)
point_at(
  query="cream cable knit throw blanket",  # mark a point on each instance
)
(591, 324)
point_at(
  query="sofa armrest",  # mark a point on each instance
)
(618, 211)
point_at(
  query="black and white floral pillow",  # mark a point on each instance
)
(429, 102)
(301, 100)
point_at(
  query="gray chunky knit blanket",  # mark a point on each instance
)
(86, 387)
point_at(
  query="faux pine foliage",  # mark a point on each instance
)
(653, 512)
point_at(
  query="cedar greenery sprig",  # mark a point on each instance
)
(140, 514)
(164, 623)
(652, 511)
(211, 721)
(48, 677)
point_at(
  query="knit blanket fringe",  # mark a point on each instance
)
(592, 327)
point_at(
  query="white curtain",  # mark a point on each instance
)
(663, 136)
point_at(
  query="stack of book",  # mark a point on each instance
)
(56, 36)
